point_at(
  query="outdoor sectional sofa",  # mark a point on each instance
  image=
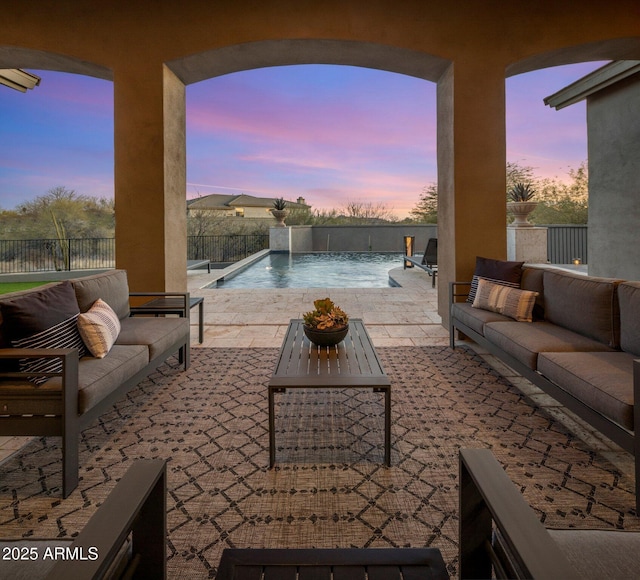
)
(580, 347)
(70, 350)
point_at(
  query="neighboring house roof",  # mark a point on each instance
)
(221, 201)
(599, 79)
(213, 201)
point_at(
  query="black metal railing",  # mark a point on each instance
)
(20, 256)
(56, 254)
(230, 248)
(565, 243)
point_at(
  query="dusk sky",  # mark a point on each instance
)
(330, 134)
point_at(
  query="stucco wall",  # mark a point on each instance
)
(379, 238)
(614, 180)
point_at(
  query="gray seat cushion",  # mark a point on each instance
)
(602, 380)
(476, 318)
(601, 554)
(97, 378)
(157, 333)
(524, 340)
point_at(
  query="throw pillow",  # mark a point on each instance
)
(496, 271)
(43, 319)
(99, 328)
(514, 303)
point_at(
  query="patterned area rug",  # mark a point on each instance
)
(328, 488)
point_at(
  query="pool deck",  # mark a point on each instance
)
(395, 316)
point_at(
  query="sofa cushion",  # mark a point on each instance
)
(99, 327)
(97, 378)
(497, 271)
(43, 319)
(601, 380)
(157, 333)
(514, 303)
(629, 299)
(532, 279)
(475, 318)
(597, 554)
(111, 286)
(586, 305)
(5, 341)
(525, 341)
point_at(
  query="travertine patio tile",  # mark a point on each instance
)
(405, 331)
(381, 342)
(435, 330)
(429, 341)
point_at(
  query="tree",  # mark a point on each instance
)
(368, 212)
(517, 173)
(562, 202)
(60, 210)
(426, 210)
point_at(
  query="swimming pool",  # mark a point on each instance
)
(318, 270)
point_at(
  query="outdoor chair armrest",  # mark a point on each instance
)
(487, 498)
(455, 292)
(69, 357)
(137, 506)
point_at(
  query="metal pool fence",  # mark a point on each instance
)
(565, 243)
(21, 256)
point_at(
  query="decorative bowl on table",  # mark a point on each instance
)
(327, 324)
(325, 337)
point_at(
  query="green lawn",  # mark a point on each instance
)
(6, 287)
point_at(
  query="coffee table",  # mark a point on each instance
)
(353, 363)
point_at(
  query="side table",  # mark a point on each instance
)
(172, 305)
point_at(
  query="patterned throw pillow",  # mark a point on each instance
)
(99, 328)
(497, 271)
(43, 319)
(514, 303)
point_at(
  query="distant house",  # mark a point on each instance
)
(247, 206)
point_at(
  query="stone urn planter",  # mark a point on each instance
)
(520, 211)
(521, 204)
(280, 215)
(279, 212)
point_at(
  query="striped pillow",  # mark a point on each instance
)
(99, 328)
(501, 272)
(514, 303)
(43, 319)
(62, 335)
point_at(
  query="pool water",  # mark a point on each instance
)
(318, 270)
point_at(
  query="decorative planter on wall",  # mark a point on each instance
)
(520, 211)
(279, 214)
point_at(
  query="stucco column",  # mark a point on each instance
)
(150, 178)
(472, 209)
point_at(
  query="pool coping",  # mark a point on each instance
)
(232, 270)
